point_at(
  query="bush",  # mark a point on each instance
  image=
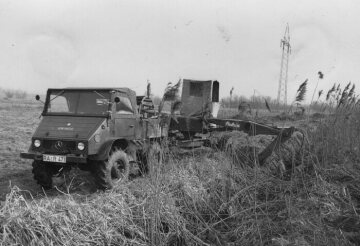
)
(9, 94)
(19, 94)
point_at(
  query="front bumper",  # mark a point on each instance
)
(38, 156)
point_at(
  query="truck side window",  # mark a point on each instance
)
(124, 106)
(215, 92)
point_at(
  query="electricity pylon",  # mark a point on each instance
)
(283, 79)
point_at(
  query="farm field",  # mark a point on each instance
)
(18, 121)
(306, 194)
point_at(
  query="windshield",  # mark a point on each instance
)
(79, 102)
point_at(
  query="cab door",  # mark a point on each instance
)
(124, 117)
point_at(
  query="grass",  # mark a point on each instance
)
(307, 194)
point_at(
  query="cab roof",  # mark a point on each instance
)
(121, 89)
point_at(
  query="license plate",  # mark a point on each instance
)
(54, 158)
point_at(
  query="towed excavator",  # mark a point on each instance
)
(112, 133)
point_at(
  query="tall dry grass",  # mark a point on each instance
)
(201, 199)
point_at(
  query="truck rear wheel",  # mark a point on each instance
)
(43, 173)
(115, 170)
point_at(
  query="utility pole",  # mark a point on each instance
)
(283, 79)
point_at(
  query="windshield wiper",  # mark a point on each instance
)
(60, 93)
(100, 94)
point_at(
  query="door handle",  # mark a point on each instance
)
(131, 126)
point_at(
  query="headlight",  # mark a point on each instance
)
(37, 143)
(97, 138)
(81, 146)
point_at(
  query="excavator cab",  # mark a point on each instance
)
(200, 98)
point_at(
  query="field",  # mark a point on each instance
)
(307, 194)
(18, 121)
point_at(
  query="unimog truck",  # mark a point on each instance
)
(111, 132)
(102, 130)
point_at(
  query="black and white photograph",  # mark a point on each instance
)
(179, 123)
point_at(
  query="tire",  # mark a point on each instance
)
(43, 173)
(108, 173)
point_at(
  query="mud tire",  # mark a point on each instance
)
(111, 172)
(43, 173)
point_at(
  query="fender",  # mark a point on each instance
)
(103, 151)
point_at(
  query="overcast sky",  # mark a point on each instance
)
(124, 43)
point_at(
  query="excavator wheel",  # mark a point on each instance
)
(109, 172)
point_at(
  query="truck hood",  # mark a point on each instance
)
(67, 127)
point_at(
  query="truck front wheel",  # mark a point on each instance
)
(108, 173)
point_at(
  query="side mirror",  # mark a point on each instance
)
(117, 99)
(37, 97)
